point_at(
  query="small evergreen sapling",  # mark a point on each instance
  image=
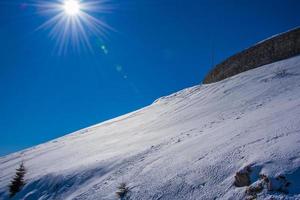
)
(18, 181)
(122, 192)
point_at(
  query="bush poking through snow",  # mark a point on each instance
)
(18, 181)
(122, 192)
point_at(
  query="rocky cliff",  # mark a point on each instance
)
(277, 48)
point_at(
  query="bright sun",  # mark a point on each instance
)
(71, 7)
(72, 22)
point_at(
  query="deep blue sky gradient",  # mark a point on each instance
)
(159, 47)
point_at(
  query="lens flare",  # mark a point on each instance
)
(72, 23)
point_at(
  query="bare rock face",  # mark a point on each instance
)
(277, 48)
(242, 178)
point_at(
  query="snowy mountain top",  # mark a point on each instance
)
(194, 144)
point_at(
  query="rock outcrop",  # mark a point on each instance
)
(277, 48)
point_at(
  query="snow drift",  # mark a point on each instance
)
(189, 145)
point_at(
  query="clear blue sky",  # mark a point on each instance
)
(159, 47)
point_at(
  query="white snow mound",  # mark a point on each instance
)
(187, 146)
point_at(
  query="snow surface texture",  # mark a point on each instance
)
(188, 145)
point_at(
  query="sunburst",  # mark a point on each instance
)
(73, 22)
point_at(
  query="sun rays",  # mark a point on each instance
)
(72, 23)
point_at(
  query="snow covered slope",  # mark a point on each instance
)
(188, 145)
